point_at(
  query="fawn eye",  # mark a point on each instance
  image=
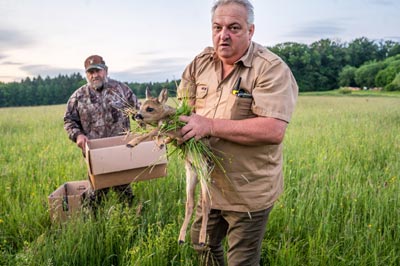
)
(149, 109)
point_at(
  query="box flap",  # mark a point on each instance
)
(107, 142)
(111, 155)
(66, 200)
(73, 188)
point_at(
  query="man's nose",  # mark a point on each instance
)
(225, 34)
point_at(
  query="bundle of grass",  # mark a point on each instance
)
(199, 158)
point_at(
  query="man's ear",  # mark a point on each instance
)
(251, 31)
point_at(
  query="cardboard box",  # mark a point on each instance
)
(67, 200)
(110, 162)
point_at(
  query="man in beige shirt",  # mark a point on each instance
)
(244, 96)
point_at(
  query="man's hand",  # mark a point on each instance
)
(81, 142)
(196, 127)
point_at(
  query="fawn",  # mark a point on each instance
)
(154, 111)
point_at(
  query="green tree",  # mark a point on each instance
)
(365, 75)
(387, 75)
(362, 50)
(394, 85)
(332, 58)
(347, 76)
(299, 59)
(388, 48)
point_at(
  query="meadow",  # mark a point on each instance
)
(341, 204)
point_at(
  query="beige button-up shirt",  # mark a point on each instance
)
(254, 176)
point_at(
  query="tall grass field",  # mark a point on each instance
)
(341, 204)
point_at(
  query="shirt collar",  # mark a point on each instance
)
(246, 59)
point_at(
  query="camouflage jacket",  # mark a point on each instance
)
(99, 113)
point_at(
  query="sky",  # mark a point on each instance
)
(143, 41)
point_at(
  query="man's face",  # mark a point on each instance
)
(96, 77)
(231, 33)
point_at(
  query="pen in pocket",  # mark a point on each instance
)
(236, 89)
(239, 92)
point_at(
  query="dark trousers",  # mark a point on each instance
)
(244, 232)
(124, 192)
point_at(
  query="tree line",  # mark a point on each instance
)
(49, 91)
(323, 65)
(328, 64)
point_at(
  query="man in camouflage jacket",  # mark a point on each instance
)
(96, 110)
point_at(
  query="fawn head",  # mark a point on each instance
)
(154, 109)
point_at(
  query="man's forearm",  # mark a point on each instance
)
(252, 131)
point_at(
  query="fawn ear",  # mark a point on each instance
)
(148, 93)
(163, 97)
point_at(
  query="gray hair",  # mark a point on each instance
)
(245, 3)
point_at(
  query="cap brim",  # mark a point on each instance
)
(95, 67)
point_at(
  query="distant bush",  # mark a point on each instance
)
(395, 85)
(388, 74)
(365, 75)
(344, 90)
(347, 75)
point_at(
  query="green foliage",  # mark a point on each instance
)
(394, 85)
(49, 91)
(377, 73)
(386, 76)
(332, 59)
(325, 64)
(362, 50)
(388, 48)
(339, 206)
(155, 87)
(347, 76)
(301, 60)
(315, 67)
(344, 90)
(365, 75)
(39, 91)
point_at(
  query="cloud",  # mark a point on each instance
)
(7, 63)
(10, 63)
(317, 29)
(14, 39)
(158, 70)
(45, 70)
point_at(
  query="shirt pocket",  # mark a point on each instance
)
(201, 93)
(241, 108)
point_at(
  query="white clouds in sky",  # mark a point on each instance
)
(153, 41)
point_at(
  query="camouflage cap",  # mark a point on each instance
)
(95, 62)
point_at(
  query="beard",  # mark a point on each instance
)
(97, 83)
